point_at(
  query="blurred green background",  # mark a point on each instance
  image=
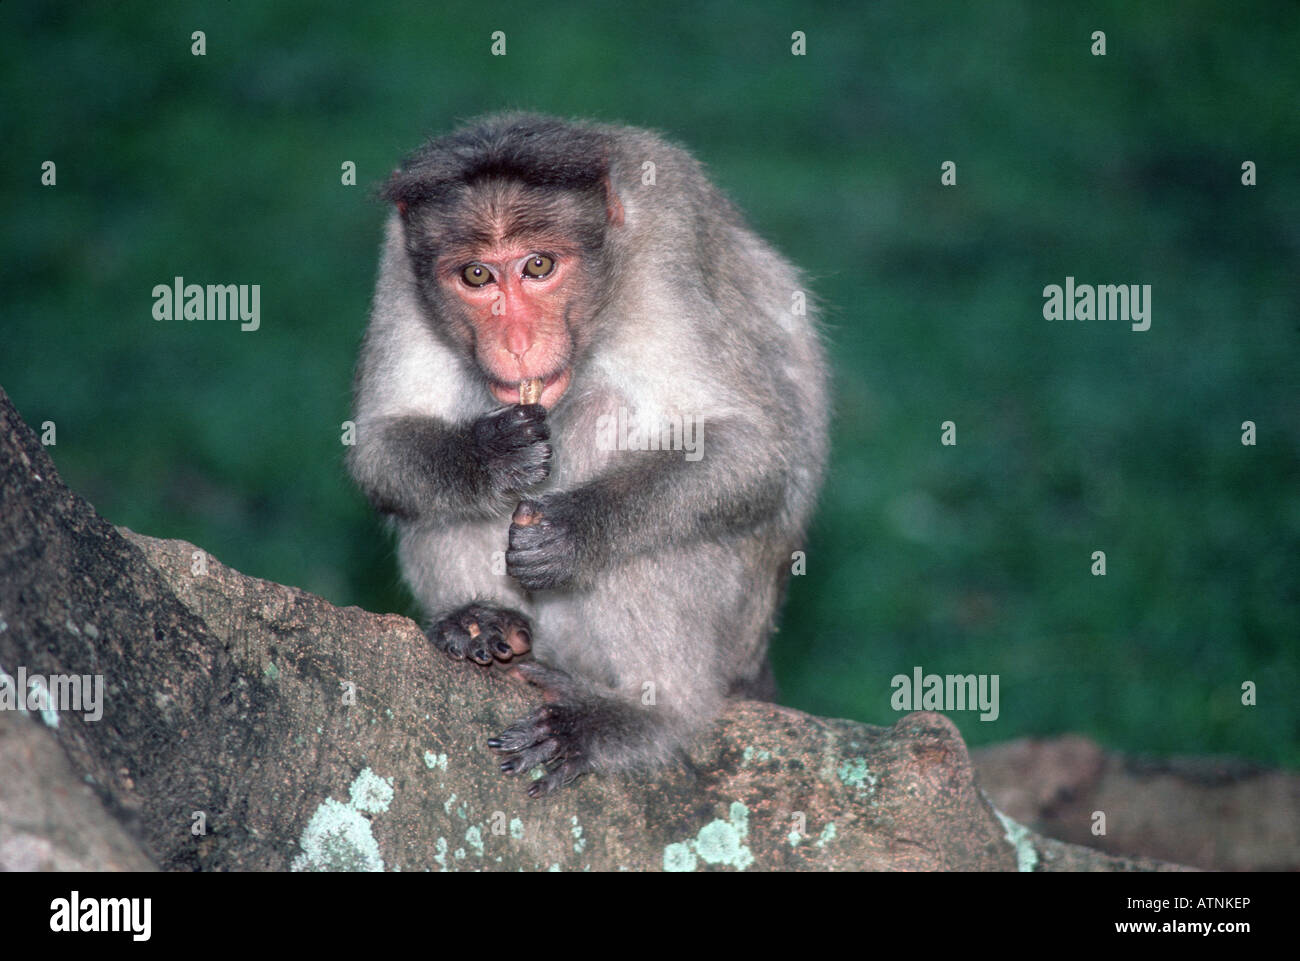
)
(1072, 437)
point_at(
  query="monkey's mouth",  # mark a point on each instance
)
(553, 387)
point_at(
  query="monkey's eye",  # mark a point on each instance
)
(539, 265)
(476, 275)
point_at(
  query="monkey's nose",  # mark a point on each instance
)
(518, 340)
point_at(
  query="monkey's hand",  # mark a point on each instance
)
(510, 444)
(544, 542)
(481, 633)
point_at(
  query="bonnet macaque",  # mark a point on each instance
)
(590, 402)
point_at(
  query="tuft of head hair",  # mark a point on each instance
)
(535, 150)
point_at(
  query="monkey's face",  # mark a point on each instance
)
(513, 276)
(517, 300)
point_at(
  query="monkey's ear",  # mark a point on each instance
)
(400, 190)
(613, 206)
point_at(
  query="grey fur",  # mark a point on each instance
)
(677, 567)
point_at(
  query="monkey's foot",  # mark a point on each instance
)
(481, 633)
(551, 738)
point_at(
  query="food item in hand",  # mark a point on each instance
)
(530, 391)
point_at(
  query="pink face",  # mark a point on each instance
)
(517, 299)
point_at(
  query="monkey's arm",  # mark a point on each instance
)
(649, 500)
(414, 466)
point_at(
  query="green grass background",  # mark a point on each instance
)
(1072, 436)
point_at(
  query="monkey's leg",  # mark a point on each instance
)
(481, 632)
(582, 728)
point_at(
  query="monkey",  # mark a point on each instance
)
(588, 402)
